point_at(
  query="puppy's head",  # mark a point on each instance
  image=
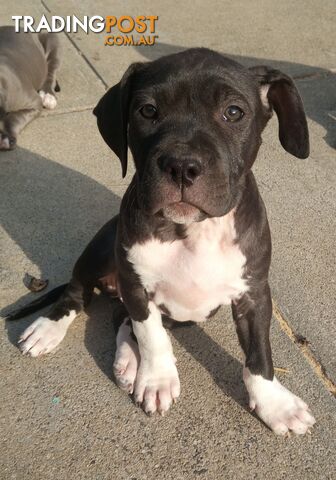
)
(193, 122)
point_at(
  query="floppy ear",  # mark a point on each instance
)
(280, 93)
(112, 116)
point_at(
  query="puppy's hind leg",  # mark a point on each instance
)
(95, 264)
(127, 357)
(12, 123)
(51, 46)
(43, 335)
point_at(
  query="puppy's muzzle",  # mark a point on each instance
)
(182, 171)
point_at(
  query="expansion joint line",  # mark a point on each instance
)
(95, 71)
(306, 351)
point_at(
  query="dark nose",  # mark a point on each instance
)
(181, 171)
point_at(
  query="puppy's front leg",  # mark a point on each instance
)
(51, 47)
(280, 409)
(157, 383)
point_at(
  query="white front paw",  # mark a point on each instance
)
(43, 335)
(157, 383)
(48, 100)
(280, 409)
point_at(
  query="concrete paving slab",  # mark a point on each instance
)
(300, 199)
(63, 413)
(280, 33)
(80, 86)
(33, 8)
(62, 416)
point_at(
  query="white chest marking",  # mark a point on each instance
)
(193, 276)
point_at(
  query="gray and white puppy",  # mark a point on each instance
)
(28, 65)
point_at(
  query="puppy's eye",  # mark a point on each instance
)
(148, 111)
(233, 114)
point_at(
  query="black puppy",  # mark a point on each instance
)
(192, 232)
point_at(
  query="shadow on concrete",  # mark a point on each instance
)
(225, 370)
(319, 97)
(51, 212)
(100, 339)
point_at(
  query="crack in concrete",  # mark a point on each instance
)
(67, 110)
(303, 345)
(314, 75)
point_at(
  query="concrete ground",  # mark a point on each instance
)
(62, 416)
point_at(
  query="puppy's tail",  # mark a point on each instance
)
(41, 302)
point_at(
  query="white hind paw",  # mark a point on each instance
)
(127, 358)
